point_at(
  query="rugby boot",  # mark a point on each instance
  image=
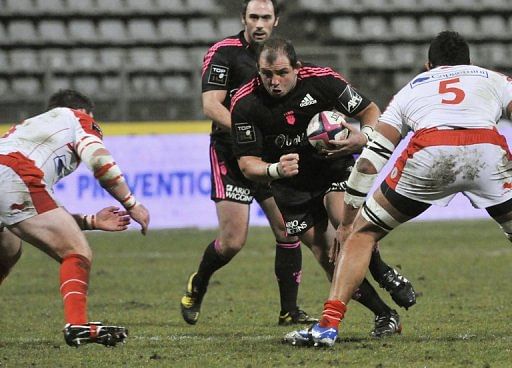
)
(295, 317)
(94, 332)
(399, 288)
(191, 301)
(387, 324)
(323, 336)
(298, 338)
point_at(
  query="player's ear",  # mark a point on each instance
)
(428, 65)
(276, 22)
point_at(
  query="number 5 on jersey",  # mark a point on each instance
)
(447, 86)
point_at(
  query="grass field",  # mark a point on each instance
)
(461, 270)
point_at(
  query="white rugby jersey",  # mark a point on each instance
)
(51, 140)
(464, 96)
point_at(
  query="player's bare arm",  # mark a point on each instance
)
(107, 219)
(254, 168)
(215, 110)
(357, 139)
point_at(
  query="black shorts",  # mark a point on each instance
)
(228, 182)
(302, 209)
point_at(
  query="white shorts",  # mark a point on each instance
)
(438, 164)
(23, 191)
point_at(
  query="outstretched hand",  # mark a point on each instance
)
(112, 219)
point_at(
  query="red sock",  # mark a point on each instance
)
(74, 282)
(334, 311)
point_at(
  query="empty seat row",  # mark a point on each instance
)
(166, 59)
(409, 28)
(98, 85)
(114, 7)
(194, 30)
(387, 6)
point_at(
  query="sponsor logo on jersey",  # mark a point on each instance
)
(290, 118)
(218, 75)
(307, 101)
(294, 227)
(238, 193)
(284, 140)
(350, 99)
(245, 133)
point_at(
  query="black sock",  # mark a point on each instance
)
(211, 262)
(288, 269)
(367, 296)
(377, 266)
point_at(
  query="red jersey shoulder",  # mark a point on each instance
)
(88, 124)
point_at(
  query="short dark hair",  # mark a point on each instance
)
(276, 44)
(448, 48)
(72, 99)
(246, 2)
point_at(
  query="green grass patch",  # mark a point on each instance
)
(461, 270)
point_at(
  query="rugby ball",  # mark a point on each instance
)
(324, 126)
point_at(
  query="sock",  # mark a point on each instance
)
(367, 296)
(211, 262)
(288, 270)
(74, 282)
(377, 266)
(334, 311)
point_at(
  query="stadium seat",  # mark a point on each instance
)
(111, 59)
(143, 59)
(89, 85)
(140, 6)
(82, 31)
(55, 59)
(431, 25)
(174, 59)
(4, 38)
(171, 6)
(19, 7)
(464, 4)
(201, 30)
(345, 28)
(22, 32)
(494, 26)
(495, 5)
(435, 5)
(111, 7)
(26, 86)
(466, 25)
(229, 26)
(313, 6)
(81, 7)
(208, 7)
(345, 5)
(377, 56)
(57, 83)
(400, 79)
(172, 30)
(178, 85)
(402, 5)
(4, 61)
(142, 30)
(375, 28)
(5, 88)
(112, 31)
(111, 85)
(406, 56)
(50, 7)
(144, 84)
(497, 55)
(83, 60)
(24, 60)
(53, 32)
(403, 28)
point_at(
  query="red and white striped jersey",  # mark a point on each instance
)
(51, 140)
(462, 96)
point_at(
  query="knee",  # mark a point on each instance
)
(230, 246)
(364, 166)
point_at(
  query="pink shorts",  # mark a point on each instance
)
(439, 163)
(23, 191)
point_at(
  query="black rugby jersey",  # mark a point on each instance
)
(227, 65)
(270, 127)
